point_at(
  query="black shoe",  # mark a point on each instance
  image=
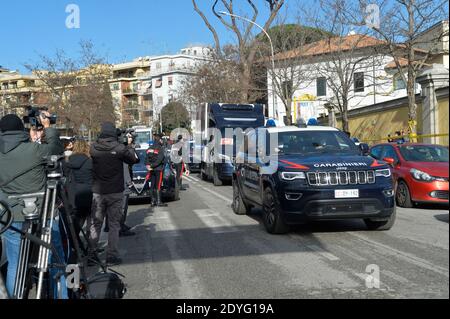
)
(126, 233)
(106, 230)
(113, 261)
(125, 227)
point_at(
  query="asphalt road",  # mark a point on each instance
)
(198, 248)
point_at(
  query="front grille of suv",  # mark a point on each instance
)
(341, 178)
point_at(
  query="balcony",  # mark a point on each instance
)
(169, 69)
(130, 91)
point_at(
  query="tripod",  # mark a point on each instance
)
(37, 229)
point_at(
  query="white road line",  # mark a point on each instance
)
(164, 226)
(405, 256)
(323, 252)
(194, 178)
(216, 223)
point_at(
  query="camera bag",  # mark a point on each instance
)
(105, 285)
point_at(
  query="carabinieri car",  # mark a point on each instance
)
(320, 174)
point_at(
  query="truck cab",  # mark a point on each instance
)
(220, 123)
(315, 173)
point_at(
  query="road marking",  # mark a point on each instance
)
(216, 223)
(194, 178)
(165, 227)
(323, 252)
(405, 256)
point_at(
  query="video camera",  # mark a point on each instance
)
(33, 116)
(123, 136)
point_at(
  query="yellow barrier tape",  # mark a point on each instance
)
(410, 136)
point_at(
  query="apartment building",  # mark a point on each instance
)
(141, 88)
(18, 90)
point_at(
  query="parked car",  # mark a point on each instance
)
(420, 171)
(140, 186)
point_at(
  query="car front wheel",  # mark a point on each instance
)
(239, 206)
(403, 196)
(271, 214)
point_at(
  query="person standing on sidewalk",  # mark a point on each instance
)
(154, 162)
(108, 156)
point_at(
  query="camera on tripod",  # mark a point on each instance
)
(33, 116)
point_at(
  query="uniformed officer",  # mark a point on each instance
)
(155, 165)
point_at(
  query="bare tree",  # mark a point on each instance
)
(78, 88)
(247, 48)
(292, 67)
(402, 23)
(344, 57)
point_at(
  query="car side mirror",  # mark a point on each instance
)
(364, 148)
(390, 161)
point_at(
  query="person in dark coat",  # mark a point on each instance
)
(155, 165)
(78, 170)
(108, 156)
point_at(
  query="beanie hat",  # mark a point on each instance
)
(11, 122)
(108, 130)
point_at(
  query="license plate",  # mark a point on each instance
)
(346, 193)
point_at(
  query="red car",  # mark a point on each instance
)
(420, 171)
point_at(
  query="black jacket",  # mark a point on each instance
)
(108, 156)
(78, 171)
(155, 157)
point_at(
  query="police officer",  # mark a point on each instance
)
(154, 162)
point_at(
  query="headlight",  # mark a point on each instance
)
(290, 176)
(421, 176)
(383, 172)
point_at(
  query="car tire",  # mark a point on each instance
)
(203, 175)
(272, 220)
(381, 225)
(216, 180)
(403, 196)
(239, 206)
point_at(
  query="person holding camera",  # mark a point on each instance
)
(23, 171)
(108, 156)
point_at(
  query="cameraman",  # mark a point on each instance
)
(22, 171)
(108, 156)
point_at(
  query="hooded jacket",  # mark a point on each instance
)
(108, 157)
(22, 165)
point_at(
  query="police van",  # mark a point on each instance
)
(314, 173)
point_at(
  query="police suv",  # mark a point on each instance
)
(315, 173)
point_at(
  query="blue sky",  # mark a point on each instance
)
(120, 29)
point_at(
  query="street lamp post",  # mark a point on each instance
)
(271, 47)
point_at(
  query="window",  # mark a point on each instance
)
(158, 65)
(390, 152)
(160, 100)
(359, 81)
(321, 86)
(158, 83)
(115, 86)
(399, 84)
(170, 80)
(376, 152)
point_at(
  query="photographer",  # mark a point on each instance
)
(108, 156)
(23, 171)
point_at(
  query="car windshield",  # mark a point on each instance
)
(143, 137)
(320, 142)
(424, 153)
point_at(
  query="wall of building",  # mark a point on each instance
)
(443, 120)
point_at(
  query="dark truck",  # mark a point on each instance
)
(218, 148)
(316, 173)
